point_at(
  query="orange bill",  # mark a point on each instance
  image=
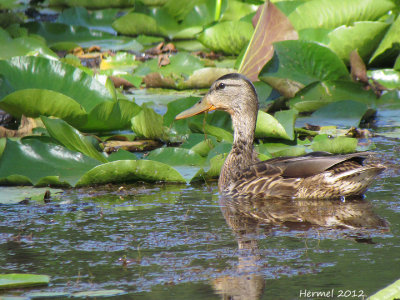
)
(199, 107)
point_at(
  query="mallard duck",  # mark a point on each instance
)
(312, 176)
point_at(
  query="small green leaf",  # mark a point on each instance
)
(219, 133)
(14, 195)
(216, 163)
(268, 126)
(71, 138)
(339, 144)
(229, 37)
(389, 47)
(392, 291)
(389, 78)
(98, 293)
(148, 124)
(16, 280)
(135, 24)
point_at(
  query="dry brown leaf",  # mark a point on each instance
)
(271, 26)
(118, 82)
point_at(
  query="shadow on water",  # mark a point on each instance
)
(248, 218)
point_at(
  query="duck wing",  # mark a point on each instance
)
(314, 163)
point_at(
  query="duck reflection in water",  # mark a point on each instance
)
(284, 191)
(251, 219)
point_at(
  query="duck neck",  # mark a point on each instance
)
(242, 154)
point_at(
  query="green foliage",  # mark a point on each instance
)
(311, 73)
(17, 280)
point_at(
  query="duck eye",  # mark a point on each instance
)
(221, 86)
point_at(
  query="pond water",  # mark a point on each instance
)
(172, 241)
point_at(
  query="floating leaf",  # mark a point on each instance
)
(67, 37)
(33, 161)
(136, 23)
(98, 293)
(219, 133)
(320, 94)
(176, 156)
(301, 63)
(345, 113)
(338, 145)
(25, 46)
(229, 37)
(96, 19)
(389, 47)
(14, 195)
(39, 73)
(216, 163)
(389, 78)
(272, 26)
(148, 124)
(121, 155)
(333, 13)
(130, 171)
(16, 280)
(392, 291)
(268, 126)
(364, 36)
(71, 138)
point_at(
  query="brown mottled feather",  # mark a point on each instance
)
(312, 176)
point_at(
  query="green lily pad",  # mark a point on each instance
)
(345, 113)
(229, 37)
(16, 280)
(71, 138)
(176, 156)
(98, 293)
(319, 94)
(281, 149)
(25, 46)
(219, 133)
(333, 13)
(392, 291)
(363, 36)
(216, 163)
(389, 78)
(34, 161)
(268, 126)
(148, 124)
(96, 19)
(389, 47)
(130, 171)
(136, 23)
(14, 195)
(121, 154)
(66, 37)
(338, 145)
(40, 73)
(48, 295)
(301, 63)
(180, 64)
